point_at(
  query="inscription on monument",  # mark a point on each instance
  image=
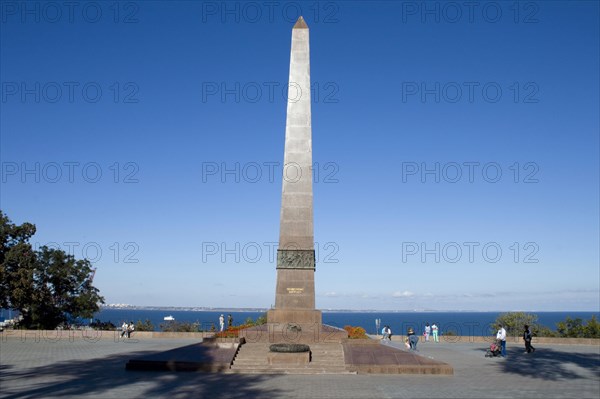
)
(295, 290)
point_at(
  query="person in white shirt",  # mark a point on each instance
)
(384, 332)
(222, 322)
(501, 336)
(427, 331)
(434, 331)
(123, 329)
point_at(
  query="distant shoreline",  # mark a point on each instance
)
(207, 309)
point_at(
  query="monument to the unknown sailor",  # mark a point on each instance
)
(294, 340)
(295, 290)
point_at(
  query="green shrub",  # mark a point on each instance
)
(176, 326)
(144, 326)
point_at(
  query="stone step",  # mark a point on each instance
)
(313, 357)
(303, 372)
(325, 359)
(290, 368)
(263, 364)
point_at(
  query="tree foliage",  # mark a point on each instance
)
(103, 325)
(513, 322)
(144, 325)
(176, 326)
(576, 328)
(47, 286)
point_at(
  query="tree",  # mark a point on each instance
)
(592, 328)
(513, 322)
(144, 325)
(16, 262)
(47, 286)
(576, 328)
(176, 326)
(543, 331)
(262, 319)
(103, 325)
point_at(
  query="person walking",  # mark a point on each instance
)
(527, 338)
(389, 333)
(130, 329)
(229, 321)
(222, 322)
(427, 331)
(501, 336)
(124, 329)
(434, 331)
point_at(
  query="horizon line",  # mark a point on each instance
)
(261, 309)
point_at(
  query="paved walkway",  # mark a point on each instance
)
(64, 368)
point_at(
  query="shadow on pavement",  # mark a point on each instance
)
(549, 364)
(96, 377)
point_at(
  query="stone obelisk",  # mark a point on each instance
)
(295, 291)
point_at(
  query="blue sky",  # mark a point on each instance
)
(456, 149)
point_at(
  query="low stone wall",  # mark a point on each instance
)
(96, 335)
(490, 339)
(93, 335)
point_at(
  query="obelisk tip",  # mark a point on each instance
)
(300, 24)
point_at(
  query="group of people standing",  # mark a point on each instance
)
(222, 322)
(411, 338)
(433, 331)
(127, 329)
(527, 337)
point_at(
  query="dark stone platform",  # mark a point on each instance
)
(373, 357)
(361, 356)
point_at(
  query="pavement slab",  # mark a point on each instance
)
(86, 369)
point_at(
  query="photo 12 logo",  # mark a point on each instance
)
(469, 92)
(470, 12)
(469, 172)
(470, 251)
(254, 252)
(69, 172)
(254, 92)
(252, 12)
(94, 252)
(70, 12)
(271, 172)
(89, 92)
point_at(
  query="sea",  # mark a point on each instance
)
(458, 323)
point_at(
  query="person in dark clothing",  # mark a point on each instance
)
(412, 339)
(527, 339)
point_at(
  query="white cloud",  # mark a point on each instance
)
(403, 294)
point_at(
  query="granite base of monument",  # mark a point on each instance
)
(275, 358)
(297, 316)
(300, 333)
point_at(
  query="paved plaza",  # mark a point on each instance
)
(46, 368)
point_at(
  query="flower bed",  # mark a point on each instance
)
(356, 332)
(233, 331)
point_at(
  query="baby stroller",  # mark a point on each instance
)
(494, 350)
